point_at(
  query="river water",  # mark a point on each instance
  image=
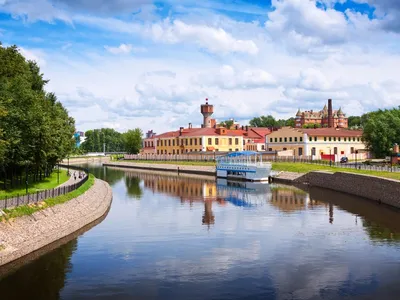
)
(169, 237)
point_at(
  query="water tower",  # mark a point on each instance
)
(207, 110)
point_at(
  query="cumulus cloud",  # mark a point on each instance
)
(216, 40)
(121, 49)
(229, 78)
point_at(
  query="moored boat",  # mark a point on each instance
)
(243, 165)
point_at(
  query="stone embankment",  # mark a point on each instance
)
(86, 160)
(188, 169)
(24, 235)
(378, 189)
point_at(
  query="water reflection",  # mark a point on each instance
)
(197, 238)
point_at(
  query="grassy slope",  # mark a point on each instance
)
(284, 166)
(47, 183)
(30, 209)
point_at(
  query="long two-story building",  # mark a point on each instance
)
(319, 143)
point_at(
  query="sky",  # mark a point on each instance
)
(124, 64)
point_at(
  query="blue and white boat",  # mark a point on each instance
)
(243, 165)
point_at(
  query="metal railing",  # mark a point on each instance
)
(34, 198)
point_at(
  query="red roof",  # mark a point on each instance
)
(334, 132)
(253, 133)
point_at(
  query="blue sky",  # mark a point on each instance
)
(150, 64)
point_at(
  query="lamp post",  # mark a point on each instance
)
(330, 157)
(356, 152)
(26, 177)
(68, 164)
(391, 159)
(58, 174)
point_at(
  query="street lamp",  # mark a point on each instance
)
(391, 159)
(330, 156)
(68, 165)
(58, 174)
(26, 177)
(356, 152)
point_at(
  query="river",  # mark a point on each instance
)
(168, 237)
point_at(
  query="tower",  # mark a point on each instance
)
(341, 118)
(207, 110)
(330, 114)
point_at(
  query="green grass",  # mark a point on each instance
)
(32, 208)
(186, 163)
(47, 183)
(305, 168)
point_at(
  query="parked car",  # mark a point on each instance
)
(344, 160)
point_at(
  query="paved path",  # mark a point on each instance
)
(71, 180)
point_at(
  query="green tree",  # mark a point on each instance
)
(35, 129)
(381, 130)
(227, 124)
(95, 139)
(263, 121)
(133, 140)
(354, 121)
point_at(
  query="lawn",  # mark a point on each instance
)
(47, 183)
(305, 168)
(32, 208)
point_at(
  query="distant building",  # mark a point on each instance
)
(319, 143)
(208, 138)
(327, 117)
(79, 138)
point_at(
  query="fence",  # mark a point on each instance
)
(272, 157)
(36, 197)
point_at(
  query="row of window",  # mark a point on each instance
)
(314, 139)
(190, 141)
(181, 151)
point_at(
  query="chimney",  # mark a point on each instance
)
(247, 128)
(242, 127)
(190, 125)
(180, 131)
(237, 127)
(330, 114)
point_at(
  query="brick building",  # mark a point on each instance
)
(327, 117)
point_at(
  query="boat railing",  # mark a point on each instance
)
(244, 163)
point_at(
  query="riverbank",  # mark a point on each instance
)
(26, 234)
(378, 189)
(84, 160)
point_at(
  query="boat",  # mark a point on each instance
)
(243, 165)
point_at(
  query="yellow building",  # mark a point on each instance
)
(319, 143)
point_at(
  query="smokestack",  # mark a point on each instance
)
(180, 130)
(247, 128)
(330, 114)
(190, 125)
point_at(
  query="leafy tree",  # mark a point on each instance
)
(381, 130)
(316, 125)
(263, 121)
(35, 129)
(354, 121)
(97, 137)
(133, 140)
(227, 124)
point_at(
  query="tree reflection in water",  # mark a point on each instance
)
(133, 188)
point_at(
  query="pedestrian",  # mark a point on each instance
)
(74, 175)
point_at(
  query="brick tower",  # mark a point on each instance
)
(207, 110)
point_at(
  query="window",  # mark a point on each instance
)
(200, 141)
(236, 149)
(330, 139)
(290, 139)
(230, 141)
(335, 150)
(195, 142)
(262, 147)
(270, 149)
(352, 150)
(345, 139)
(165, 151)
(358, 139)
(354, 139)
(301, 139)
(313, 151)
(169, 142)
(280, 140)
(311, 138)
(230, 150)
(324, 138)
(236, 141)
(216, 141)
(173, 151)
(173, 142)
(339, 139)
(186, 150)
(182, 142)
(300, 151)
(209, 141)
(295, 139)
(334, 139)
(216, 150)
(158, 151)
(284, 149)
(276, 140)
(285, 139)
(315, 139)
(186, 142)
(191, 142)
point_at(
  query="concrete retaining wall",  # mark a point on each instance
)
(27, 234)
(374, 188)
(203, 170)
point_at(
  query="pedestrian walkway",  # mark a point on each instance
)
(71, 180)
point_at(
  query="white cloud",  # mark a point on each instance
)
(216, 40)
(121, 49)
(229, 78)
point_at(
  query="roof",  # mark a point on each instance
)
(241, 153)
(334, 132)
(252, 133)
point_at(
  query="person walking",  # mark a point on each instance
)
(75, 176)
